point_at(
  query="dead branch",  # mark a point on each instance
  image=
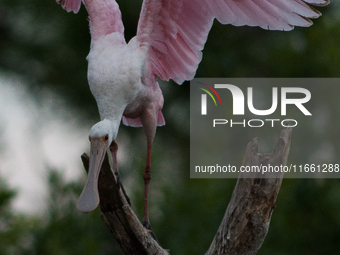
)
(123, 223)
(244, 225)
(246, 220)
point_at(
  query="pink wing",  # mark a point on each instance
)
(175, 31)
(70, 5)
(138, 123)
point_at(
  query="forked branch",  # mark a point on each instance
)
(246, 220)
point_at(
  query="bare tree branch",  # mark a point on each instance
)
(245, 223)
(123, 223)
(246, 220)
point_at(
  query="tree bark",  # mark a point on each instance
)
(244, 225)
(246, 220)
(123, 223)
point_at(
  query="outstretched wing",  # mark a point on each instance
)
(70, 5)
(175, 31)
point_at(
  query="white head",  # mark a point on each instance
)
(101, 136)
(106, 130)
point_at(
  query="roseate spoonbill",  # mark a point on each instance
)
(169, 43)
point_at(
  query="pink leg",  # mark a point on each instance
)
(114, 149)
(147, 177)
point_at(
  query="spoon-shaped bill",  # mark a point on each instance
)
(89, 198)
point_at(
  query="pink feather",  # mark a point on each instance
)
(70, 5)
(175, 31)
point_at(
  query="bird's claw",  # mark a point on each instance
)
(147, 225)
(121, 186)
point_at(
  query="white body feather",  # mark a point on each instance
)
(114, 74)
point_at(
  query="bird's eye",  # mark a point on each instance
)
(106, 137)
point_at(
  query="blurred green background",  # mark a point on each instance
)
(45, 48)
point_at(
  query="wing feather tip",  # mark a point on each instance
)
(319, 3)
(70, 5)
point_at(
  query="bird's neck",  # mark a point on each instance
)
(105, 17)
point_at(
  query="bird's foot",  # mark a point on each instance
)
(121, 186)
(147, 225)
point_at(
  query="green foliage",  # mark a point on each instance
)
(64, 230)
(305, 220)
(14, 237)
(61, 230)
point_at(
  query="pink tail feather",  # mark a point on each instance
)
(138, 123)
(70, 5)
(160, 119)
(132, 122)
